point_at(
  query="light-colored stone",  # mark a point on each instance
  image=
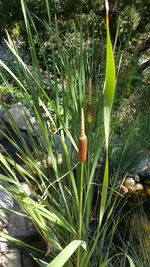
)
(137, 178)
(10, 223)
(129, 182)
(11, 258)
(124, 189)
(6, 202)
(22, 118)
(14, 225)
(139, 187)
(3, 245)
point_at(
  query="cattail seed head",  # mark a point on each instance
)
(82, 141)
(82, 147)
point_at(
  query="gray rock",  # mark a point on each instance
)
(4, 247)
(10, 223)
(57, 142)
(6, 146)
(1, 112)
(6, 202)
(22, 118)
(14, 225)
(143, 169)
(143, 162)
(10, 258)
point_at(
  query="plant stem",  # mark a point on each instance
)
(80, 213)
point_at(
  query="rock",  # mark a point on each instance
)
(124, 189)
(131, 185)
(143, 163)
(129, 182)
(26, 189)
(47, 162)
(144, 173)
(137, 178)
(1, 112)
(15, 225)
(6, 202)
(27, 260)
(22, 118)
(138, 187)
(57, 142)
(143, 170)
(10, 258)
(3, 245)
(7, 146)
(26, 122)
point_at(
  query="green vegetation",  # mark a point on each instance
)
(76, 208)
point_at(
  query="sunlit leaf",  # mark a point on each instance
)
(64, 255)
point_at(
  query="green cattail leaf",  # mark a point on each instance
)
(63, 256)
(19, 242)
(109, 89)
(104, 191)
(130, 261)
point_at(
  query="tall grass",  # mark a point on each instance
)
(73, 209)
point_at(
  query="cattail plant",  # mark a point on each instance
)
(62, 207)
(89, 111)
(82, 141)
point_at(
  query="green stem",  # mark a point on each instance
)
(80, 213)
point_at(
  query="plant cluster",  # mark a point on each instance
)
(75, 206)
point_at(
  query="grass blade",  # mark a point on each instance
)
(63, 256)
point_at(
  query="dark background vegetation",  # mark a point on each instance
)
(129, 21)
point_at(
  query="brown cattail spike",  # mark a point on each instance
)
(107, 11)
(89, 112)
(82, 141)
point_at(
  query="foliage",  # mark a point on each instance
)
(70, 18)
(129, 15)
(72, 201)
(10, 93)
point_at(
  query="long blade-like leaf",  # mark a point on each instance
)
(63, 256)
